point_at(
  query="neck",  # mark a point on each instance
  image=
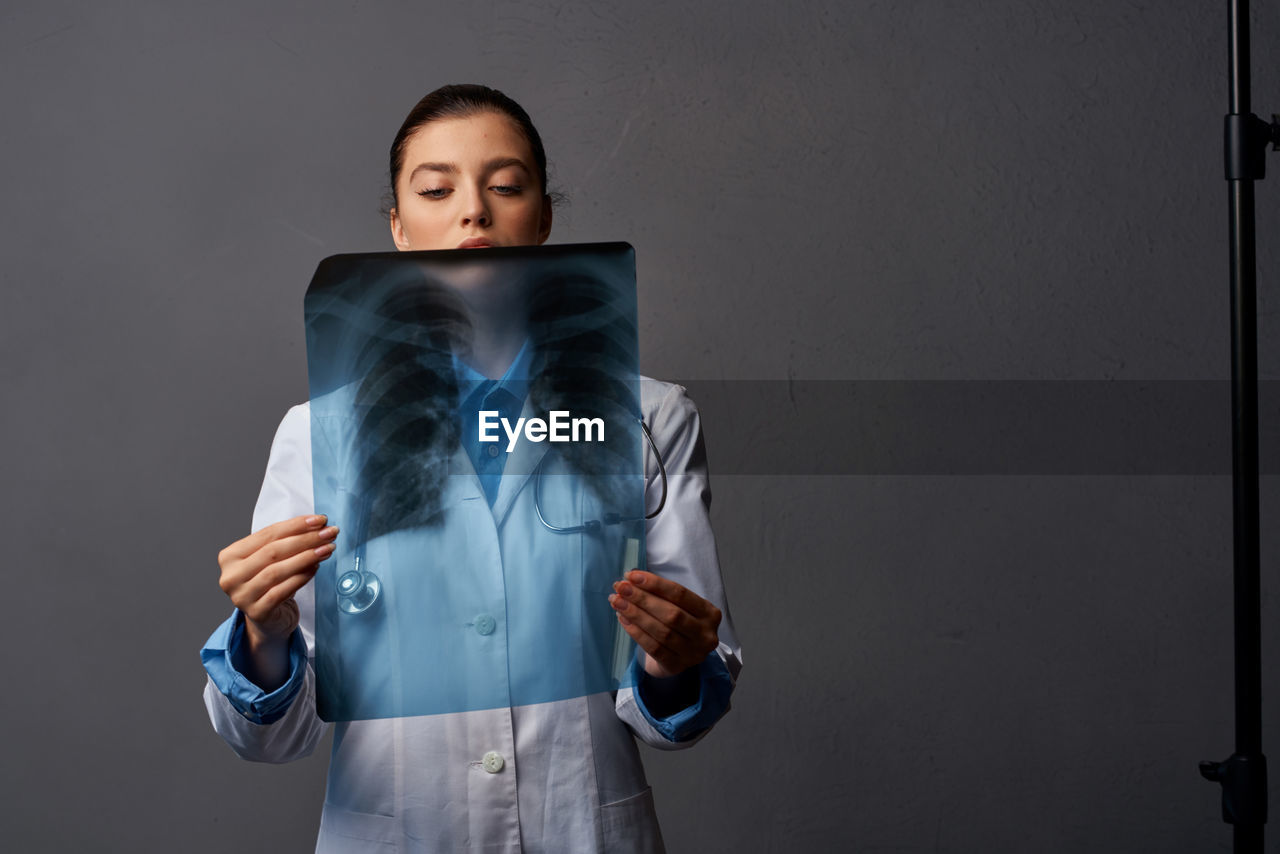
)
(495, 347)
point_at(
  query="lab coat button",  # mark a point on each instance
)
(492, 762)
(493, 450)
(485, 625)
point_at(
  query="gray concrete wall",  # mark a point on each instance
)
(938, 657)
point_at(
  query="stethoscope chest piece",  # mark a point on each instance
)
(358, 589)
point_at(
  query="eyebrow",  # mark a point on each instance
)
(452, 168)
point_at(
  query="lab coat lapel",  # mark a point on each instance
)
(523, 460)
(464, 483)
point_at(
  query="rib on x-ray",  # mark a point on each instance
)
(473, 574)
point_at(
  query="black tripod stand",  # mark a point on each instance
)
(1244, 774)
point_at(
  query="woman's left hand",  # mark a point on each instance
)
(673, 625)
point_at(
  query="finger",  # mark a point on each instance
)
(684, 646)
(649, 606)
(241, 549)
(275, 551)
(673, 592)
(283, 592)
(247, 594)
(652, 648)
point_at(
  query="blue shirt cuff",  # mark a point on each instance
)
(714, 687)
(221, 652)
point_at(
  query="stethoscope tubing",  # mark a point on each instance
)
(609, 518)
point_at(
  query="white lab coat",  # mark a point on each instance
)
(571, 778)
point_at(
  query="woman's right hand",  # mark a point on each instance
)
(260, 574)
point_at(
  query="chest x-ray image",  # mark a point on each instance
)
(476, 435)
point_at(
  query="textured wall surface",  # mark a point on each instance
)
(937, 659)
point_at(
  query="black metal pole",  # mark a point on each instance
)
(1244, 472)
(1244, 775)
(1248, 829)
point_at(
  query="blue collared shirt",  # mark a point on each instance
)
(223, 658)
(477, 392)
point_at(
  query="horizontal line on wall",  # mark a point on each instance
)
(977, 427)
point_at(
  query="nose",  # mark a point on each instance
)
(476, 212)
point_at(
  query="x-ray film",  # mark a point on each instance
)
(476, 436)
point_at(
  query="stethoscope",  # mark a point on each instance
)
(358, 588)
(593, 525)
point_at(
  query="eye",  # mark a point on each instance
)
(438, 193)
(507, 189)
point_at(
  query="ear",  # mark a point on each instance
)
(397, 232)
(544, 227)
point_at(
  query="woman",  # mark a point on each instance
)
(468, 170)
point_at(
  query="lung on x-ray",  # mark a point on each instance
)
(475, 434)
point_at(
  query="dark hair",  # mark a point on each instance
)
(458, 101)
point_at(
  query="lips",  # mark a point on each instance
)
(475, 243)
